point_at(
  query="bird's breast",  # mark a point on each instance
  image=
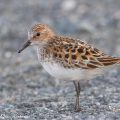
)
(56, 69)
(59, 71)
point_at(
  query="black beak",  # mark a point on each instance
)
(24, 46)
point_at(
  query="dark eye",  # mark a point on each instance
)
(38, 34)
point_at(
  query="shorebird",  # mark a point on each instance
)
(67, 58)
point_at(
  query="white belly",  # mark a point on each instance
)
(62, 73)
(59, 72)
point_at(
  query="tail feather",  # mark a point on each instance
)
(109, 60)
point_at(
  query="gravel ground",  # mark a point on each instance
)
(26, 90)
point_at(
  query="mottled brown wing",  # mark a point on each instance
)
(94, 58)
(77, 54)
(109, 60)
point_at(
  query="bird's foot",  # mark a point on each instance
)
(78, 109)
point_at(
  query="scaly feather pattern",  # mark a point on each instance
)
(72, 53)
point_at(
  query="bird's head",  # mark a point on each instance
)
(38, 35)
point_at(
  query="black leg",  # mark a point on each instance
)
(77, 89)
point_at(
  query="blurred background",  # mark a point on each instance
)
(25, 88)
